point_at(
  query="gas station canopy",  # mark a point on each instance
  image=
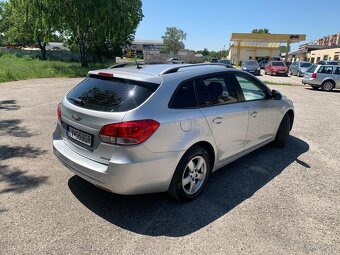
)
(264, 41)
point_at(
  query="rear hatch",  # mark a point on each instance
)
(97, 101)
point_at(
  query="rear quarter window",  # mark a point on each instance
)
(110, 94)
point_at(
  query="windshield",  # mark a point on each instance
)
(278, 64)
(225, 61)
(305, 64)
(250, 63)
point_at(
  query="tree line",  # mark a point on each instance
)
(98, 27)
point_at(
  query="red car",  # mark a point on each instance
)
(276, 68)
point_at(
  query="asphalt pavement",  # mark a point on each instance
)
(272, 201)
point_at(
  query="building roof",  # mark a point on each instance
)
(265, 40)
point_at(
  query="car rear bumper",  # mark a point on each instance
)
(313, 82)
(125, 176)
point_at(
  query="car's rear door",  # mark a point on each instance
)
(226, 117)
(337, 76)
(264, 113)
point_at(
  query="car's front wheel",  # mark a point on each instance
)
(283, 132)
(191, 174)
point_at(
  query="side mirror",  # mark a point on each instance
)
(276, 95)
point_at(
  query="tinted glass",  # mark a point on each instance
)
(311, 69)
(305, 64)
(250, 63)
(337, 70)
(185, 96)
(326, 69)
(215, 91)
(110, 94)
(278, 64)
(250, 88)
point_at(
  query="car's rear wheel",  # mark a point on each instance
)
(327, 85)
(283, 132)
(191, 174)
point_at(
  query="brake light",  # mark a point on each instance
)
(105, 74)
(128, 133)
(59, 113)
(313, 75)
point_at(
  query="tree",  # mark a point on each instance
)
(260, 31)
(31, 22)
(100, 26)
(172, 39)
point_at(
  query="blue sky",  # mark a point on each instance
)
(209, 23)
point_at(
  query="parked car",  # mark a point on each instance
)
(326, 77)
(227, 62)
(328, 62)
(251, 66)
(299, 68)
(175, 61)
(158, 128)
(263, 63)
(214, 60)
(276, 68)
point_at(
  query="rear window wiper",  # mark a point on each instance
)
(77, 100)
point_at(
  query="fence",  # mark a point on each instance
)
(50, 54)
(155, 57)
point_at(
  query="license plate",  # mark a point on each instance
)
(79, 136)
(281, 71)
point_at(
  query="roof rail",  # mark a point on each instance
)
(176, 68)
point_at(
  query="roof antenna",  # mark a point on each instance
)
(138, 66)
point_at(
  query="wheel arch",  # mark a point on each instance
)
(209, 148)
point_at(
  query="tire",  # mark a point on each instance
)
(283, 132)
(327, 85)
(290, 72)
(185, 184)
(298, 74)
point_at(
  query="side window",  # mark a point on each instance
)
(250, 88)
(185, 96)
(215, 91)
(326, 69)
(337, 70)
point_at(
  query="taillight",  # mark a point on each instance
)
(313, 75)
(59, 113)
(128, 133)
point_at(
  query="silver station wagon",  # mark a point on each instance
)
(166, 128)
(326, 77)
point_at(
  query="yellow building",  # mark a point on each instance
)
(245, 46)
(325, 54)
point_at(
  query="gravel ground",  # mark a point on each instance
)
(273, 201)
(291, 79)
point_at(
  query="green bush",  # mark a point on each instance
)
(13, 68)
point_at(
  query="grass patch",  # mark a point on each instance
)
(13, 68)
(277, 83)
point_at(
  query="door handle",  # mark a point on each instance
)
(218, 120)
(254, 114)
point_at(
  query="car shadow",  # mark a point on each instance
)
(322, 91)
(159, 215)
(9, 105)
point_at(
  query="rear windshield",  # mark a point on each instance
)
(311, 69)
(110, 94)
(305, 64)
(278, 64)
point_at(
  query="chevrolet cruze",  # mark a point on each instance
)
(166, 128)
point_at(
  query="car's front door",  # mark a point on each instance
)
(226, 117)
(264, 113)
